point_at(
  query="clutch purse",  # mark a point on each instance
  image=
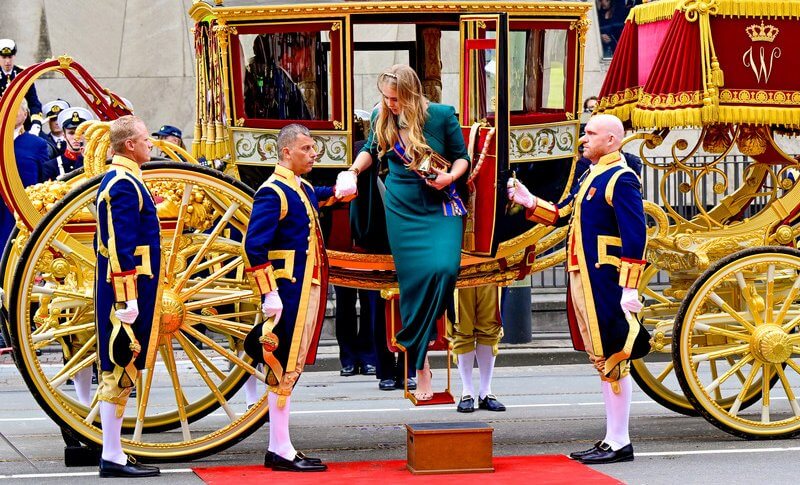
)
(431, 161)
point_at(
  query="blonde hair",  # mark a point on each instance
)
(123, 129)
(413, 112)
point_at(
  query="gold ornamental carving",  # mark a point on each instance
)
(581, 26)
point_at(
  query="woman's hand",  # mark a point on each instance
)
(442, 180)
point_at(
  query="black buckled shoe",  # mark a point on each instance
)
(348, 370)
(280, 463)
(386, 385)
(577, 455)
(604, 454)
(368, 370)
(466, 405)
(131, 469)
(490, 403)
(269, 458)
(412, 383)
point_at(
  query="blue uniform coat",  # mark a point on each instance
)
(285, 251)
(128, 246)
(606, 244)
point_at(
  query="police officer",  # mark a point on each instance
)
(8, 71)
(128, 272)
(171, 134)
(72, 159)
(55, 137)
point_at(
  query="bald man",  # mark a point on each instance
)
(605, 259)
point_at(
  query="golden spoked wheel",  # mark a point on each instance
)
(206, 300)
(738, 325)
(655, 373)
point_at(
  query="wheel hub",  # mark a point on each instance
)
(172, 312)
(771, 344)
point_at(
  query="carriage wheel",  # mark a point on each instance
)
(655, 373)
(51, 310)
(736, 331)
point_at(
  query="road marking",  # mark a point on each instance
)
(79, 474)
(720, 452)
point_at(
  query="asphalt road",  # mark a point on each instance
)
(552, 409)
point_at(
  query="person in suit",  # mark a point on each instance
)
(55, 139)
(286, 261)
(30, 152)
(9, 71)
(605, 261)
(72, 158)
(127, 277)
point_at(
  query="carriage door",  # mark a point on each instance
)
(484, 101)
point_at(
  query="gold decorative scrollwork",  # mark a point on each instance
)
(169, 194)
(582, 27)
(336, 26)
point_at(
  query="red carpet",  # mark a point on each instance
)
(542, 470)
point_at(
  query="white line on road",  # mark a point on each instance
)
(79, 474)
(719, 452)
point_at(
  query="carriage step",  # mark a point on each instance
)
(430, 447)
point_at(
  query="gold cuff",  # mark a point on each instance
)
(262, 278)
(543, 212)
(630, 272)
(124, 286)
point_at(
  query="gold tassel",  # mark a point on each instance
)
(717, 76)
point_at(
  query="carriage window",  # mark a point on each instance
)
(541, 85)
(287, 75)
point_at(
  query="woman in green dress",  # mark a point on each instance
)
(424, 213)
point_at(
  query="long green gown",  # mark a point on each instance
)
(425, 244)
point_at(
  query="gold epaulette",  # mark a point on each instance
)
(124, 285)
(542, 212)
(630, 272)
(262, 278)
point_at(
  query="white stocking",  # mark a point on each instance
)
(279, 441)
(83, 385)
(112, 428)
(618, 410)
(486, 365)
(465, 364)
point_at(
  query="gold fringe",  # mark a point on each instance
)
(672, 118)
(700, 116)
(653, 12)
(759, 8)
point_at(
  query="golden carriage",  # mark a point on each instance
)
(185, 405)
(521, 120)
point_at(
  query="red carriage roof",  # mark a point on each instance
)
(699, 62)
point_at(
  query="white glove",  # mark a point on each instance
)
(345, 184)
(519, 194)
(630, 301)
(129, 313)
(36, 128)
(272, 306)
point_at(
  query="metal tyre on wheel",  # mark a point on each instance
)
(207, 308)
(736, 332)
